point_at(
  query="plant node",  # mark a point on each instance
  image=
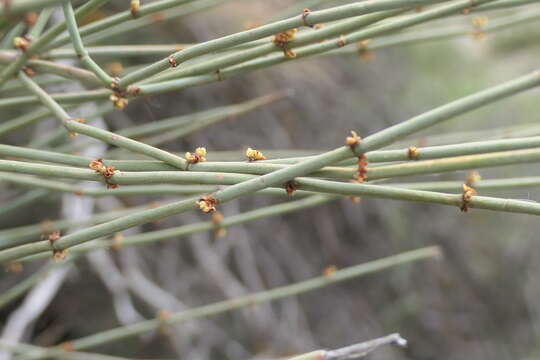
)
(361, 174)
(172, 61)
(67, 346)
(412, 153)
(342, 41)
(163, 317)
(117, 241)
(118, 100)
(207, 204)
(72, 134)
(134, 7)
(304, 16)
(28, 71)
(58, 255)
(479, 22)
(329, 270)
(119, 96)
(363, 51)
(107, 171)
(290, 187)
(466, 197)
(217, 220)
(254, 155)
(353, 140)
(198, 156)
(21, 43)
(353, 198)
(282, 39)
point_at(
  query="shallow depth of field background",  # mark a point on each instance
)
(480, 302)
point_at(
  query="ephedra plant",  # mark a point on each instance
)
(45, 44)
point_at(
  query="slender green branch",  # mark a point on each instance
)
(16, 8)
(126, 143)
(423, 36)
(25, 285)
(82, 54)
(44, 98)
(282, 176)
(140, 24)
(60, 354)
(252, 299)
(66, 71)
(7, 39)
(23, 120)
(23, 234)
(124, 16)
(430, 152)
(44, 39)
(21, 201)
(41, 22)
(315, 17)
(304, 38)
(387, 192)
(455, 163)
(184, 230)
(489, 184)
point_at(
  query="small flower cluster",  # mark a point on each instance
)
(468, 190)
(353, 140)
(107, 171)
(21, 43)
(282, 39)
(207, 204)
(254, 155)
(58, 255)
(198, 156)
(118, 96)
(134, 7)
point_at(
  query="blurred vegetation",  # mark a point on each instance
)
(479, 303)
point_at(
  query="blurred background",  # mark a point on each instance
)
(480, 302)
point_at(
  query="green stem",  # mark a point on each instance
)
(21, 201)
(282, 176)
(23, 234)
(315, 17)
(16, 8)
(124, 16)
(254, 299)
(456, 186)
(82, 54)
(44, 39)
(304, 38)
(184, 230)
(66, 71)
(455, 163)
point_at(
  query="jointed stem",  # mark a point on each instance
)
(82, 54)
(250, 300)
